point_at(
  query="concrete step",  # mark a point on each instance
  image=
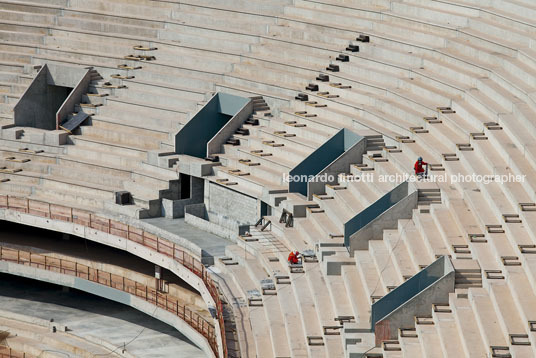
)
(384, 265)
(369, 276)
(402, 261)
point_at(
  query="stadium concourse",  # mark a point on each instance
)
(142, 124)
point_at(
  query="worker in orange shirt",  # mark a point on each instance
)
(419, 168)
(291, 257)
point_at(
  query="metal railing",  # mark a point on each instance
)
(149, 294)
(129, 232)
(6, 352)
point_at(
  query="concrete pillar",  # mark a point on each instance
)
(159, 282)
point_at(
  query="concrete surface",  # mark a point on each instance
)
(111, 294)
(422, 55)
(88, 315)
(211, 244)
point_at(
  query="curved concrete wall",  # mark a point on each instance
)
(118, 242)
(111, 294)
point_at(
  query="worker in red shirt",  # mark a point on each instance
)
(293, 258)
(419, 170)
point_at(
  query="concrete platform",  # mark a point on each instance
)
(94, 318)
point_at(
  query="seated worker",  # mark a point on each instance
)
(419, 170)
(298, 257)
(293, 258)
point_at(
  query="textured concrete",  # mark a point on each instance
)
(90, 316)
(229, 208)
(388, 219)
(211, 245)
(45, 96)
(422, 54)
(110, 240)
(111, 294)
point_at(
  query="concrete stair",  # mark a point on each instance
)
(470, 57)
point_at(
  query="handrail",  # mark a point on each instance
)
(73, 268)
(6, 352)
(126, 231)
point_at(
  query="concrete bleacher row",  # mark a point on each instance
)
(133, 277)
(28, 338)
(474, 58)
(151, 106)
(447, 232)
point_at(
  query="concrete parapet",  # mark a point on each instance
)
(414, 298)
(74, 98)
(361, 220)
(111, 294)
(322, 159)
(194, 137)
(340, 165)
(215, 144)
(388, 219)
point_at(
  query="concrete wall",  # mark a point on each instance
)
(420, 305)
(216, 143)
(387, 220)
(229, 208)
(38, 105)
(75, 97)
(373, 211)
(354, 155)
(32, 109)
(193, 138)
(111, 294)
(413, 298)
(322, 157)
(65, 75)
(197, 210)
(175, 208)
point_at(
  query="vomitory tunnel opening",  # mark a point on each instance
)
(332, 178)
